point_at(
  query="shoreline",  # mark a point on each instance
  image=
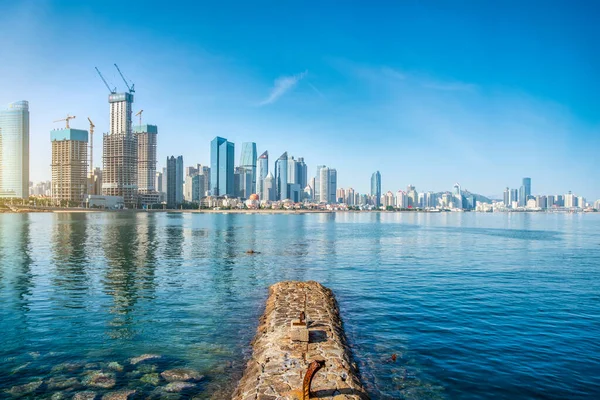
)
(260, 211)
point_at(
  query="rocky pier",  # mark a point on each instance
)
(300, 349)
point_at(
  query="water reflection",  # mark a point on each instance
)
(69, 257)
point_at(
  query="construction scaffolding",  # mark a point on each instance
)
(146, 140)
(120, 172)
(69, 165)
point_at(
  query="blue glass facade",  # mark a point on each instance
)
(222, 155)
(263, 171)
(281, 177)
(376, 188)
(14, 150)
(248, 162)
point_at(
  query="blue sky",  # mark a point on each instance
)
(428, 93)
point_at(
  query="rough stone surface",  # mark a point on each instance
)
(99, 379)
(143, 357)
(181, 374)
(62, 382)
(278, 364)
(115, 366)
(119, 395)
(151, 379)
(87, 395)
(25, 389)
(176, 387)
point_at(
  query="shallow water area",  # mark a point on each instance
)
(473, 305)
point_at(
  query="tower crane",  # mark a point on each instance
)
(112, 91)
(92, 126)
(69, 117)
(132, 87)
(139, 113)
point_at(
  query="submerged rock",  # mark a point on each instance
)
(152, 379)
(119, 395)
(176, 387)
(104, 380)
(147, 368)
(62, 382)
(87, 395)
(115, 366)
(182, 374)
(28, 388)
(67, 367)
(143, 357)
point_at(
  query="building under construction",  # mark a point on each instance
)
(146, 142)
(69, 164)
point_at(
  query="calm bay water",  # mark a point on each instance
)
(474, 305)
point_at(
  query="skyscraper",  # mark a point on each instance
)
(69, 164)
(525, 192)
(269, 188)
(332, 197)
(302, 173)
(146, 140)
(506, 197)
(248, 162)
(14, 150)
(281, 177)
(376, 188)
(174, 181)
(222, 155)
(263, 170)
(119, 157)
(317, 184)
(324, 185)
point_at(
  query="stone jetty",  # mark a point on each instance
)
(300, 349)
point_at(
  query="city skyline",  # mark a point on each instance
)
(452, 123)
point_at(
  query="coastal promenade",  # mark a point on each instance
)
(300, 339)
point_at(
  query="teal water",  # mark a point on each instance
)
(475, 306)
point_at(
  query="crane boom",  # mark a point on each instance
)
(132, 87)
(112, 91)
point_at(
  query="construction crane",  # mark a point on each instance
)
(139, 113)
(132, 87)
(112, 91)
(92, 126)
(69, 117)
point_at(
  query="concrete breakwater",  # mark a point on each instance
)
(300, 349)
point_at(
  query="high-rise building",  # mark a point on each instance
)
(302, 172)
(198, 187)
(158, 183)
(205, 171)
(317, 183)
(248, 162)
(146, 140)
(525, 192)
(412, 197)
(350, 197)
(281, 177)
(119, 156)
(263, 170)
(69, 164)
(376, 188)
(96, 187)
(514, 196)
(550, 199)
(243, 179)
(324, 185)
(222, 155)
(332, 185)
(506, 198)
(14, 150)
(269, 188)
(570, 200)
(174, 181)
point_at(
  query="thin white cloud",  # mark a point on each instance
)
(283, 84)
